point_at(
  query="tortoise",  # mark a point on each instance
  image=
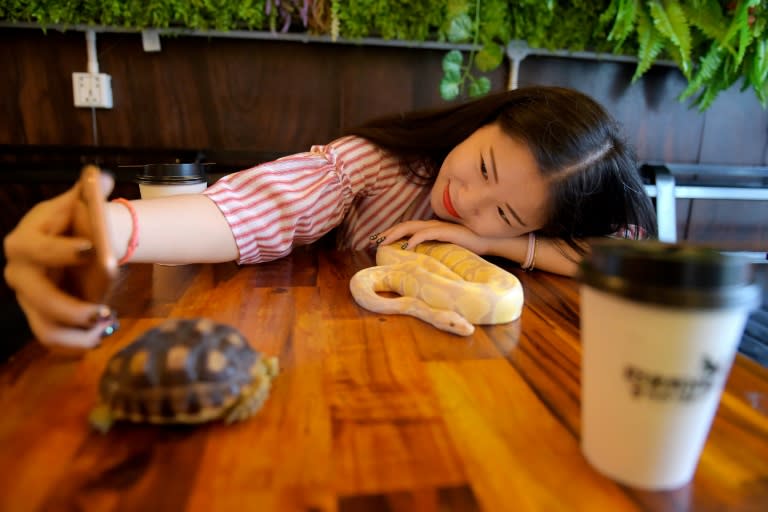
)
(184, 371)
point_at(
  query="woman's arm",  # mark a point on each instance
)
(256, 215)
(551, 256)
(175, 229)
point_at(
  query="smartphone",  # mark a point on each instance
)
(93, 279)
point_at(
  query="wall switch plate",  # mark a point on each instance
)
(92, 90)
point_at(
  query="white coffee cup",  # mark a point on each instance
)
(660, 326)
(152, 190)
(160, 180)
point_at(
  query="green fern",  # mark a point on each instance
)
(650, 42)
(722, 80)
(713, 45)
(626, 16)
(745, 34)
(670, 20)
(745, 38)
(758, 70)
(609, 13)
(740, 18)
(707, 16)
(709, 66)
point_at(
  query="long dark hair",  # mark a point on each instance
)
(595, 185)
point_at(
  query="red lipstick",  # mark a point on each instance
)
(448, 204)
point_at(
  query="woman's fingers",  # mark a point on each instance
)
(36, 249)
(416, 232)
(401, 230)
(37, 239)
(36, 293)
(424, 235)
(46, 250)
(57, 335)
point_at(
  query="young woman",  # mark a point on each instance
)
(528, 175)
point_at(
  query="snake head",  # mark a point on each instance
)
(450, 321)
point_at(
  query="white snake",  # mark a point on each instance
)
(440, 283)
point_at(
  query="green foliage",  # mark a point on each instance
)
(198, 14)
(457, 76)
(554, 25)
(563, 24)
(391, 19)
(714, 42)
(650, 42)
(465, 23)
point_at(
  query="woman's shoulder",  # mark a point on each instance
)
(347, 144)
(355, 153)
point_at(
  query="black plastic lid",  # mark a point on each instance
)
(670, 274)
(172, 173)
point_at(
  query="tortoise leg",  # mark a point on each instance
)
(101, 418)
(252, 399)
(249, 403)
(272, 366)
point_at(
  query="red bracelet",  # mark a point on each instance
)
(133, 242)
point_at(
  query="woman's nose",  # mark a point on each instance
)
(475, 199)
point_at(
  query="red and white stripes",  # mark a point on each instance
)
(297, 199)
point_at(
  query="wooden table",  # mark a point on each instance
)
(370, 413)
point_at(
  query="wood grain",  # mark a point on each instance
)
(370, 412)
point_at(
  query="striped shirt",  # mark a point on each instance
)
(350, 183)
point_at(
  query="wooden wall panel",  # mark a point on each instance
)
(271, 96)
(36, 89)
(380, 81)
(654, 122)
(223, 94)
(736, 130)
(220, 93)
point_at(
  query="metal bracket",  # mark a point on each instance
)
(517, 50)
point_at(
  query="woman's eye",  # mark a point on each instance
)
(503, 215)
(483, 170)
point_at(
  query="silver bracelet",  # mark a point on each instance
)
(530, 256)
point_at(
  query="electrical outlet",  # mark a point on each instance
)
(92, 90)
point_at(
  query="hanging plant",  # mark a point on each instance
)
(713, 44)
(486, 29)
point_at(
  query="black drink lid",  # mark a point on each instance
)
(172, 173)
(670, 274)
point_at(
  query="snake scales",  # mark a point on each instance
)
(441, 283)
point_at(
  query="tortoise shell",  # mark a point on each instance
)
(184, 371)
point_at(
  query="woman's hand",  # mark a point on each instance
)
(36, 251)
(550, 255)
(417, 231)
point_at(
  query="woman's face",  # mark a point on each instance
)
(491, 184)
